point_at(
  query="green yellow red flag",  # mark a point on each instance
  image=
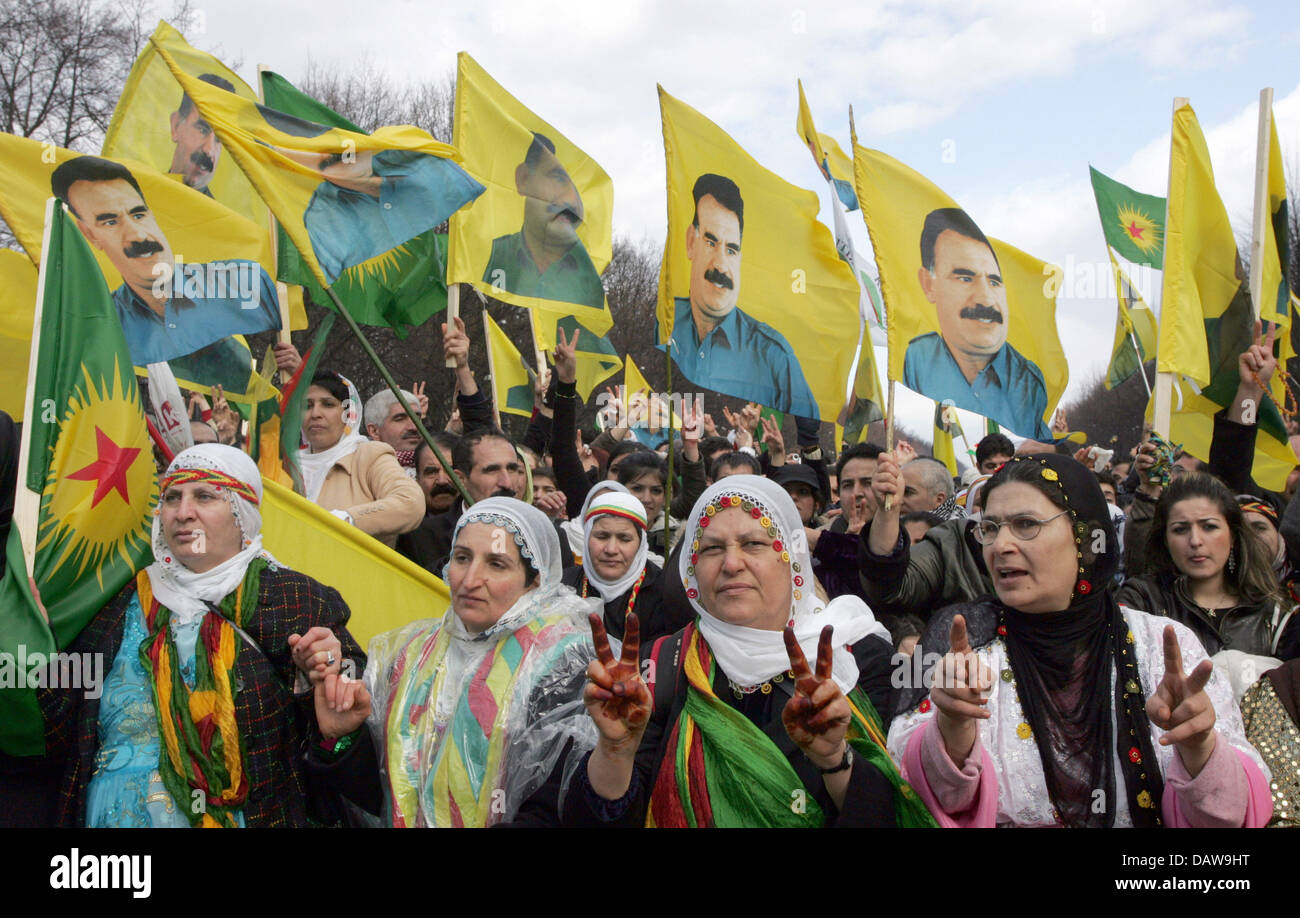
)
(1135, 330)
(1133, 222)
(89, 478)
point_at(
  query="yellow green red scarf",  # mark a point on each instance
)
(201, 745)
(720, 770)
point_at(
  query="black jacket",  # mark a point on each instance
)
(1248, 628)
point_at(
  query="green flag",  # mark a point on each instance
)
(400, 288)
(90, 467)
(1134, 223)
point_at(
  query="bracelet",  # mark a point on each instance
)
(845, 763)
(336, 747)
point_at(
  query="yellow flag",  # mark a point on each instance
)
(511, 388)
(836, 165)
(1192, 425)
(17, 311)
(971, 319)
(752, 293)
(943, 449)
(184, 270)
(1201, 284)
(344, 198)
(540, 235)
(155, 122)
(1135, 330)
(383, 590)
(1275, 299)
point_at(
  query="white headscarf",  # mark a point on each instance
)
(183, 591)
(316, 466)
(539, 544)
(752, 656)
(613, 494)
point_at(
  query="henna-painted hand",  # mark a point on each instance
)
(817, 716)
(616, 697)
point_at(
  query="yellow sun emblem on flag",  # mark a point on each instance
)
(1140, 229)
(101, 486)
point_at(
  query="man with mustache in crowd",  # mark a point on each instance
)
(164, 317)
(198, 149)
(546, 259)
(714, 342)
(969, 360)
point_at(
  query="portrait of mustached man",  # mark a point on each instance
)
(969, 359)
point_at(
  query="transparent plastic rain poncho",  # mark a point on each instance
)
(469, 726)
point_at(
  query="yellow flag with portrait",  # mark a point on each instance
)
(972, 320)
(753, 295)
(343, 197)
(540, 235)
(184, 270)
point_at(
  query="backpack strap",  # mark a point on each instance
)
(667, 650)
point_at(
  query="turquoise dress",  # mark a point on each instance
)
(126, 789)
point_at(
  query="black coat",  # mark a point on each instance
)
(656, 617)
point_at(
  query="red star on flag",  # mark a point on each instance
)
(1134, 230)
(109, 470)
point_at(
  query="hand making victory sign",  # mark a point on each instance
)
(619, 702)
(817, 715)
(1181, 706)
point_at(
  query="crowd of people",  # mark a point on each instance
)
(759, 637)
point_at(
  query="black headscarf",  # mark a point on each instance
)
(1064, 663)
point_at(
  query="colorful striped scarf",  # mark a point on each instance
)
(202, 749)
(459, 767)
(721, 771)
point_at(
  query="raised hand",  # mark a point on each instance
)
(959, 690)
(566, 356)
(287, 358)
(1182, 707)
(224, 418)
(1060, 425)
(455, 343)
(616, 697)
(342, 705)
(692, 420)
(887, 481)
(710, 428)
(904, 452)
(749, 416)
(553, 505)
(421, 405)
(817, 716)
(775, 442)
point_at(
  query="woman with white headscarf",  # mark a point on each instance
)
(732, 726)
(358, 480)
(213, 653)
(616, 566)
(478, 713)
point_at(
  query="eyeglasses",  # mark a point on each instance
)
(1023, 528)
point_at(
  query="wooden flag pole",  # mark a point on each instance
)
(1164, 390)
(397, 393)
(1261, 202)
(453, 313)
(889, 435)
(27, 503)
(668, 483)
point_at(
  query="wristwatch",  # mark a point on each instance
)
(845, 763)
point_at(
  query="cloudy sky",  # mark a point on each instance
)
(1003, 104)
